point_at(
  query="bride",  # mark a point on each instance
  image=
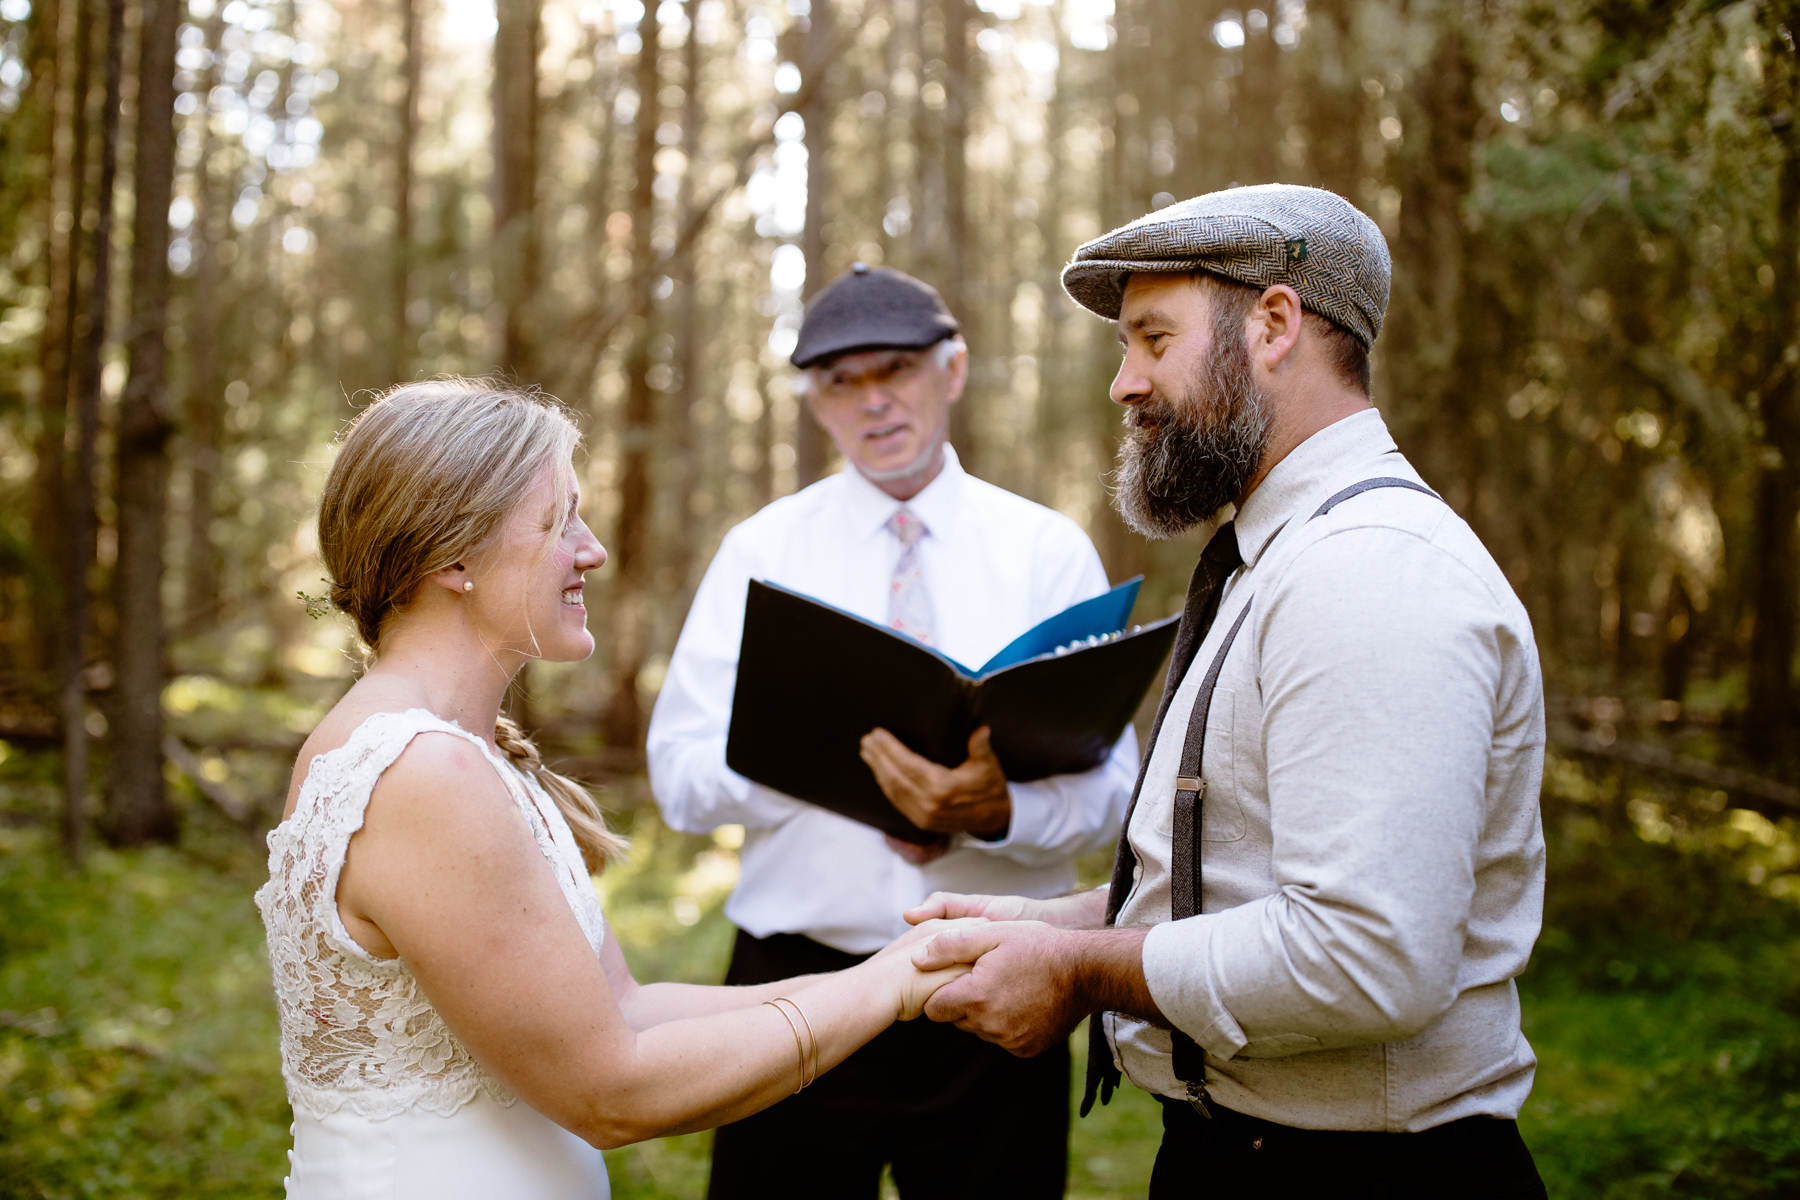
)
(455, 1019)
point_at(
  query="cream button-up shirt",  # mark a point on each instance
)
(1373, 859)
(994, 564)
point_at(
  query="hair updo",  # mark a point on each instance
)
(424, 476)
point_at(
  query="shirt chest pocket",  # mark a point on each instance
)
(1221, 814)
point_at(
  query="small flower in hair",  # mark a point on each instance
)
(316, 606)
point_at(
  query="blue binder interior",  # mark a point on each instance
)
(1094, 617)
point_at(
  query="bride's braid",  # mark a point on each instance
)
(598, 843)
(423, 476)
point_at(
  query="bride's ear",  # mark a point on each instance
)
(455, 578)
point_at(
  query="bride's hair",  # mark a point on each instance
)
(424, 476)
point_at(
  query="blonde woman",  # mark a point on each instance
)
(455, 1020)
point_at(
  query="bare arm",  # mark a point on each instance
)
(446, 873)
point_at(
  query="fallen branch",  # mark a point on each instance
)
(1758, 792)
(240, 812)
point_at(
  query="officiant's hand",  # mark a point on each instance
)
(971, 798)
(918, 853)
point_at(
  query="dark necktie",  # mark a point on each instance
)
(1217, 562)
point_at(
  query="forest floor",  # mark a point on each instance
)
(138, 1034)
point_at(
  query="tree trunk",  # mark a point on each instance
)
(927, 248)
(1775, 578)
(200, 590)
(400, 352)
(1333, 105)
(516, 240)
(597, 200)
(137, 808)
(889, 128)
(623, 722)
(79, 506)
(688, 398)
(809, 440)
(958, 262)
(55, 39)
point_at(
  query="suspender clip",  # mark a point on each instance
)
(1191, 783)
(1197, 1098)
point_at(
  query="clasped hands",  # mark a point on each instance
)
(1031, 969)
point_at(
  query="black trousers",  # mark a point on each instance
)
(1476, 1158)
(955, 1116)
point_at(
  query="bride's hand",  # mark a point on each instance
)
(914, 986)
(922, 931)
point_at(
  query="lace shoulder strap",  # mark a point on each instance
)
(332, 805)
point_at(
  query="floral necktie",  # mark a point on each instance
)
(909, 605)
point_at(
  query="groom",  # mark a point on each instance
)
(1333, 866)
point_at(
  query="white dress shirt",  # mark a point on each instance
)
(994, 564)
(1373, 860)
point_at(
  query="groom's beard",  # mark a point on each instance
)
(1180, 462)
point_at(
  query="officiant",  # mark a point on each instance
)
(902, 535)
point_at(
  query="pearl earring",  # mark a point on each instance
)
(468, 585)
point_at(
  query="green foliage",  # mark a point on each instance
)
(137, 1036)
(1664, 1000)
(138, 1033)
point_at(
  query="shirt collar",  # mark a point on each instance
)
(1305, 477)
(868, 508)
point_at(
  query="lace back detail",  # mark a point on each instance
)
(356, 1031)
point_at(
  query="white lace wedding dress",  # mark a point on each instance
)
(387, 1102)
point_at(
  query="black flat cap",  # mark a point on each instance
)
(871, 308)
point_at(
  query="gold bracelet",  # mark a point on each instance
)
(809, 1059)
(798, 1049)
(812, 1041)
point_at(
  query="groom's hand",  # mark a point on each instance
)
(1032, 983)
(1019, 994)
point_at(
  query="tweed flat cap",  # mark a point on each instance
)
(871, 308)
(1315, 241)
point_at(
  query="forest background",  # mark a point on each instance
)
(222, 221)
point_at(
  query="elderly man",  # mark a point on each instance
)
(901, 535)
(1333, 865)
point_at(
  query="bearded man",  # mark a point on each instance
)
(1332, 869)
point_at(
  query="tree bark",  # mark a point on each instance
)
(516, 240)
(959, 263)
(54, 42)
(201, 568)
(400, 351)
(138, 810)
(1775, 574)
(79, 506)
(809, 440)
(688, 398)
(623, 721)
